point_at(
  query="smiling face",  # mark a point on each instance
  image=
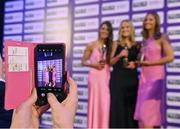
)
(104, 31)
(151, 26)
(149, 22)
(125, 29)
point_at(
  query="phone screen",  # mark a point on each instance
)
(49, 71)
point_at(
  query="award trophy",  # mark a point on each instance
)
(140, 56)
(125, 59)
(103, 51)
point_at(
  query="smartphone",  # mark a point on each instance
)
(50, 73)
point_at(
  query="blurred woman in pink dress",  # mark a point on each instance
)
(157, 51)
(47, 75)
(54, 75)
(97, 57)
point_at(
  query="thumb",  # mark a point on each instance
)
(32, 99)
(52, 100)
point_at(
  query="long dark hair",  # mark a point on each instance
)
(108, 40)
(157, 31)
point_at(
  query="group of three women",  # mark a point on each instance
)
(119, 98)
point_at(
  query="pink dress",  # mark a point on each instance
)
(46, 76)
(148, 106)
(54, 77)
(99, 94)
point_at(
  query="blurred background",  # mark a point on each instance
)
(76, 22)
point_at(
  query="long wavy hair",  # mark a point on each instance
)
(132, 35)
(109, 40)
(157, 31)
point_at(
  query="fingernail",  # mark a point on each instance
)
(48, 95)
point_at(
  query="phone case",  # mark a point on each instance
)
(19, 72)
(19, 79)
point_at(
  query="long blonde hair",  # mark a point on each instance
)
(132, 35)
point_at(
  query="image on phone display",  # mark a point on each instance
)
(50, 71)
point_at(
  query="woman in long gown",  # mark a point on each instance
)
(124, 78)
(157, 52)
(98, 52)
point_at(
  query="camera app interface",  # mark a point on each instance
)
(49, 68)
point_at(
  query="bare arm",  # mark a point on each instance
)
(87, 55)
(115, 59)
(167, 52)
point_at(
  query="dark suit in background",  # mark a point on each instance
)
(5, 116)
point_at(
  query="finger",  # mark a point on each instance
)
(102, 65)
(72, 98)
(64, 102)
(32, 99)
(26, 106)
(68, 75)
(43, 109)
(52, 100)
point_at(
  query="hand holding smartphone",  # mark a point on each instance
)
(50, 73)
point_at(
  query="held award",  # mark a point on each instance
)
(125, 59)
(141, 56)
(103, 51)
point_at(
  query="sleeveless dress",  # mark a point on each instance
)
(123, 87)
(99, 96)
(54, 76)
(148, 107)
